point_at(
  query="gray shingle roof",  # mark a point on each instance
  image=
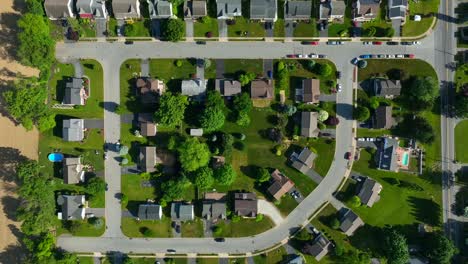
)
(384, 87)
(73, 92)
(72, 206)
(309, 124)
(294, 10)
(397, 12)
(214, 210)
(73, 129)
(386, 156)
(307, 157)
(125, 8)
(228, 87)
(194, 8)
(383, 117)
(228, 8)
(147, 158)
(149, 212)
(245, 204)
(160, 8)
(195, 88)
(181, 211)
(84, 6)
(58, 9)
(319, 247)
(338, 8)
(263, 9)
(98, 8)
(350, 222)
(369, 192)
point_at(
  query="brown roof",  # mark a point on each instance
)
(218, 161)
(309, 124)
(245, 204)
(262, 89)
(368, 8)
(148, 89)
(228, 87)
(383, 117)
(147, 158)
(280, 186)
(148, 129)
(311, 90)
(216, 196)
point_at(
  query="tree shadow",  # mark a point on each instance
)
(9, 159)
(425, 210)
(14, 253)
(10, 205)
(8, 35)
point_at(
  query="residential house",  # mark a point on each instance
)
(390, 156)
(280, 184)
(160, 9)
(126, 9)
(369, 192)
(194, 88)
(365, 10)
(304, 160)
(75, 93)
(332, 10)
(182, 211)
(397, 9)
(91, 8)
(228, 9)
(228, 88)
(214, 206)
(59, 9)
(147, 126)
(386, 88)
(309, 124)
(73, 130)
(262, 89)
(149, 89)
(297, 10)
(318, 248)
(296, 259)
(196, 132)
(73, 172)
(73, 207)
(245, 204)
(149, 212)
(264, 10)
(194, 9)
(147, 158)
(349, 222)
(311, 91)
(218, 161)
(383, 117)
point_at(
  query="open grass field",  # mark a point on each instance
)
(243, 25)
(423, 8)
(234, 67)
(160, 228)
(461, 144)
(245, 227)
(201, 28)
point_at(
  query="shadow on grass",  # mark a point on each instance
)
(425, 210)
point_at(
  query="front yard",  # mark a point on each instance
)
(134, 228)
(425, 9)
(246, 28)
(206, 27)
(305, 29)
(244, 227)
(461, 144)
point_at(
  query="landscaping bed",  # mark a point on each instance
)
(81, 228)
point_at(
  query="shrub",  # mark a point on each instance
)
(178, 63)
(322, 126)
(355, 201)
(239, 145)
(124, 161)
(97, 223)
(235, 218)
(334, 223)
(217, 230)
(209, 34)
(259, 218)
(362, 64)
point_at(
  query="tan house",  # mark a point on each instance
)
(350, 222)
(311, 91)
(147, 158)
(262, 89)
(309, 124)
(369, 192)
(280, 184)
(365, 10)
(147, 126)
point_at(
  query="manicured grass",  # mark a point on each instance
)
(233, 67)
(84, 229)
(411, 68)
(325, 149)
(286, 205)
(245, 227)
(160, 228)
(207, 261)
(414, 28)
(192, 228)
(85, 27)
(166, 70)
(365, 132)
(210, 72)
(278, 29)
(461, 144)
(461, 76)
(140, 28)
(335, 29)
(129, 70)
(131, 187)
(200, 28)
(112, 26)
(274, 256)
(86, 260)
(305, 29)
(253, 29)
(380, 26)
(424, 9)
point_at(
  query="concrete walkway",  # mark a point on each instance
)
(268, 209)
(189, 29)
(327, 97)
(145, 69)
(200, 69)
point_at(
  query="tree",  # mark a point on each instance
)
(96, 222)
(438, 248)
(225, 175)
(303, 235)
(396, 247)
(243, 103)
(46, 122)
(370, 32)
(203, 178)
(45, 246)
(422, 92)
(354, 257)
(389, 32)
(245, 79)
(214, 100)
(289, 109)
(361, 113)
(322, 115)
(374, 102)
(178, 63)
(263, 175)
(172, 190)
(243, 119)
(193, 154)
(275, 135)
(355, 201)
(334, 223)
(123, 199)
(95, 185)
(35, 7)
(324, 69)
(280, 66)
(217, 230)
(311, 65)
(207, 62)
(36, 47)
(362, 64)
(173, 29)
(124, 161)
(212, 119)
(283, 79)
(460, 108)
(171, 109)
(333, 121)
(416, 127)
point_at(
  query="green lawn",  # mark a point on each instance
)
(414, 28)
(139, 28)
(85, 27)
(192, 228)
(461, 144)
(128, 138)
(207, 261)
(160, 228)
(366, 132)
(278, 29)
(461, 76)
(166, 70)
(245, 227)
(83, 229)
(423, 8)
(275, 256)
(286, 205)
(325, 149)
(129, 70)
(245, 28)
(234, 67)
(200, 28)
(305, 29)
(336, 29)
(131, 187)
(112, 26)
(86, 260)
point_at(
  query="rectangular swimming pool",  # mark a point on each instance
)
(405, 159)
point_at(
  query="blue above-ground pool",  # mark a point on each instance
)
(55, 157)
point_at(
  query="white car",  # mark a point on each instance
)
(391, 56)
(371, 139)
(367, 43)
(416, 42)
(313, 56)
(360, 139)
(400, 56)
(300, 56)
(339, 87)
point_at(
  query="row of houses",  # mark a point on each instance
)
(263, 10)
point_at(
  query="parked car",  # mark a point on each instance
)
(332, 43)
(392, 43)
(220, 239)
(381, 56)
(338, 74)
(119, 32)
(348, 155)
(177, 229)
(374, 56)
(171, 250)
(313, 56)
(400, 56)
(365, 56)
(410, 56)
(201, 42)
(377, 42)
(309, 42)
(416, 42)
(340, 42)
(291, 56)
(390, 56)
(128, 42)
(354, 61)
(322, 56)
(366, 43)
(339, 87)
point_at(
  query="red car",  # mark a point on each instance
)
(377, 42)
(291, 56)
(348, 156)
(411, 56)
(310, 42)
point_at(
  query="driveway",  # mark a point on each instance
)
(155, 28)
(269, 30)
(314, 176)
(101, 27)
(189, 29)
(267, 66)
(98, 212)
(219, 69)
(200, 69)
(130, 170)
(145, 68)
(269, 209)
(327, 97)
(288, 29)
(223, 30)
(396, 25)
(94, 123)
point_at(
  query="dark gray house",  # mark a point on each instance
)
(318, 248)
(214, 206)
(397, 9)
(149, 212)
(387, 88)
(304, 160)
(297, 10)
(369, 192)
(73, 130)
(75, 93)
(383, 117)
(182, 212)
(350, 222)
(228, 88)
(160, 9)
(386, 156)
(72, 207)
(264, 10)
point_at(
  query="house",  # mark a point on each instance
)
(297, 10)
(147, 126)
(73, 172)
(262, 89)
(91, 9)
(311, 91)
(296, 259)
(309, 124)
(182, 212)
(126, 9)
(383, 117)
(365, 10)
(59, 9)
(194, 88)
(73, 207)
(194, 9)
(264, 10)
(147, 158)
(160, 9)
(304, 160)
(397, 9)
(280, 184)
(245, 204)
(196, 132)
(349, 222)
(214, 206)
(390, 156)
(149, 212)
(218, 161)
(332, 10)
(369, 192)
(148, 89)
(228, 9)
(386, 88)
(318, 248)
(228, 88)
(75, 93)
(73, 130)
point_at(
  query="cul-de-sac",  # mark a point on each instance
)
(234, 131)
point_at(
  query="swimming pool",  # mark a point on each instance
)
(405, 159)
(55, 157)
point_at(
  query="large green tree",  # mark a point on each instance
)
(263, 175)
(212, 119)
(172, 189)
(171, 109)
(422, 92)
(225, 175)
(416, 127)
(193, 154)
(361, 113)
(438, 248)
(36, 47)
(324, 69)
(203, 178)
(396, 247)
(95, 185)
(460, 108)
(173, 29)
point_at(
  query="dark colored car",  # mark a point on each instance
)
(338, 74)
(393, 43)
(171, 250)
(200, 42)
(310, 42)
(348, 156)
(128, 42)
(270, 74)
(177, 228)
(220, 239)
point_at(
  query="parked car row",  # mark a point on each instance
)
(382, 56)
(307, 56)
(369, 139)
(335, 42)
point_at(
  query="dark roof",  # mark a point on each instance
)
(386, 156)
(228, 87)
(84, 6)
(148, 89)
(384, 87)
(392, 3)
(309, 124)
(73, 129)
(369, 192)
(307, 157)
(57, 8)
(350, 222)
(319, 247)
(245, 204)
(182, 211)
(311, 88)
(397, 12)
(297, 10)
(214, 210)
(228, 8)
(263, 9)
(297, 259)
(147, 158)
(338, 7)
(195, 8)
(383, 117)
(72, 206)
(73, 90)
(125, 9)
(280, 184)
(262, 89)
(300, 166)
(149, 212)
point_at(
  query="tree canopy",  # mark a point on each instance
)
(95, 185)
(460, 108)
(173, 29)
(242, 107)
(355, 201)
(324, 69)
(171, 109)
(263, 175)
(416, 127)
(203, 178)
(396, 247)
(172, 190)
(322, 115)
(246, 78)
(225, 175)
(212, 117)
(422, 92)
(193, 154)
(438, 248)
(361, 113)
